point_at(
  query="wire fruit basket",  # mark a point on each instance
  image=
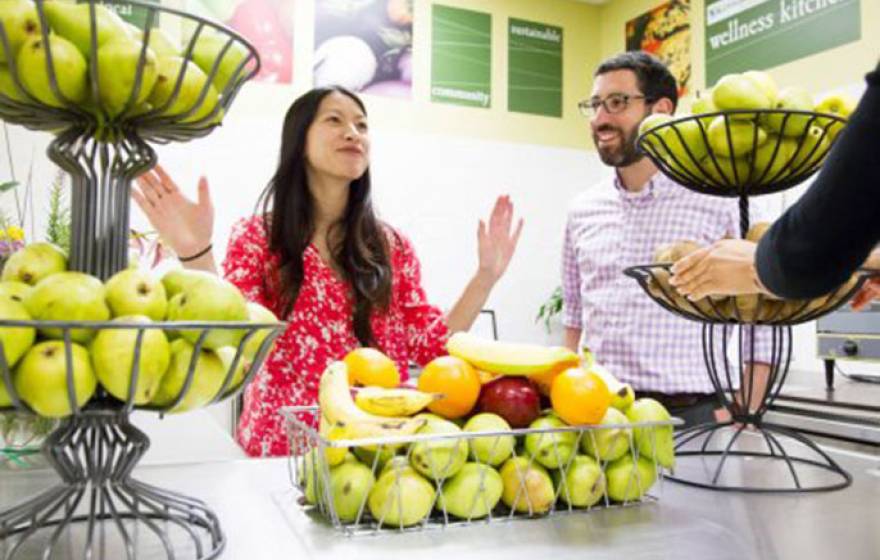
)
(438, 480)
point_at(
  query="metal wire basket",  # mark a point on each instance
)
(430, 481)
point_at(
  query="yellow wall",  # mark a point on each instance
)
(580, 23)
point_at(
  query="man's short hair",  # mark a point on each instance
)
(653, 77)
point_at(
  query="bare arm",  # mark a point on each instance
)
(572, 339)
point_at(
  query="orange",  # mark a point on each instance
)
(580, 397)
(456, 380)
(544, 380)
(369, 367)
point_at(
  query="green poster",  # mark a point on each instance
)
(758, 34)
(135, 15)
(534, 77)
(461, 57)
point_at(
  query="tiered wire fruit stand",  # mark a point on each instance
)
(746, 453)
(98, 505)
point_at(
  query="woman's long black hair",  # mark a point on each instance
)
(359, 246)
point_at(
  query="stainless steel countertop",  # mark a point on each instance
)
(257, 509)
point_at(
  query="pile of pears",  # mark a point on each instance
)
(754, 134)
(35, 285)
(454, 475)
(129, 79)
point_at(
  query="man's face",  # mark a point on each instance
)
(614, 134)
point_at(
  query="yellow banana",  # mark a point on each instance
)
(393, 402)
(622, 394)
(334, 398)
(509, 358)
(330, 432)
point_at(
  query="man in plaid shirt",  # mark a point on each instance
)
(620, 223)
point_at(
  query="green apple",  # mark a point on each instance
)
(790, 99)
(112, 353)
(210, 300)
(735, 138)
(16, 340)
(489, 450)
(41, 378)
(118, 64)
(207, 378)
(16, 291)
(772, 163)
(207, 51)
(608, 444)
(73, 22)
(582, 484)
(628, 480)
(811, 149)
(764, 81)
(176, 280)
(20, 22)
(653, 442)
(135, 292)
(68, 296)
(551, 449)
(33, 262)
(735, 91)
(68, 67)
(191, 88)
(8, 87)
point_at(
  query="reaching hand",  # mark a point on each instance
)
(496, 243)
(726, 267)
(185, 225)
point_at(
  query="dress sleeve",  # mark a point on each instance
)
(245, 262)
(425, 325)
(571, 281)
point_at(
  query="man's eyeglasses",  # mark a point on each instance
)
(613, 103)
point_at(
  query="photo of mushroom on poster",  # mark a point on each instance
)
(267, 24)
(364, 45)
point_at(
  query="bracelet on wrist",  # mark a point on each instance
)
(201, 253)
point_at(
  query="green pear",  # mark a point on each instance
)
(135, 292)
(41, 378)
(472, 493)
(207, 378)
(187, 98)
(608, 444)
(16, 340)
(702, 105)
(176, 280)
(68, 296)
(14, 290)
(397, 462)
(207, 50)
(118, 64)
(735, 91)
(582, 484)
(401, 498)
(5, 398)
(552, 449)
(376, 457)
(442, 458)
(490, 450)
(528, 487)
(310, 475)
(685, 142)
(772, 163)
(840, 104)
(257, 314)
(810, 149)
(790, 99)
(653, 442)
(628, 480)
(112, 353)
(210, 300)
(160, 42)
(8, 87)
(765, 82)
(73, 22)
(727, 172)
(68, 67)
(33, 262)
(350, 485)
(735, 138)
(227, 355)
(655, 139)
(20, 22)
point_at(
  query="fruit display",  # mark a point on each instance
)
(746, 135)
(121, 337)
(379, 460)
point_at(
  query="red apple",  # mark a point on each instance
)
(515, 399)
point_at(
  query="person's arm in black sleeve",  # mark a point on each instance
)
(821, 240)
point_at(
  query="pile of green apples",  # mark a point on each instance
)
(35, 285)
(473, 477)
(128, 79)
(752, 134)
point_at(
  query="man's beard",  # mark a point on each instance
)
(623, 155)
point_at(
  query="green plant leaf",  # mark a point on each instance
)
(8, 186)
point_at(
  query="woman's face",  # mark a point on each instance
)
(338, 142)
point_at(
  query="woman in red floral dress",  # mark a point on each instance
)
(317, 256)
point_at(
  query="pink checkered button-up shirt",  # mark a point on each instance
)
(609, 229)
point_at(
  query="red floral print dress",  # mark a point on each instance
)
(320, 329)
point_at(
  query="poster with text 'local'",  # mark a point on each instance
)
(759, 34)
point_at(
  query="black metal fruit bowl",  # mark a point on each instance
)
(742, 152)
(744, 309)
(63, 75)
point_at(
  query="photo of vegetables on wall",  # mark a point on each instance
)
(665, 32)
(267, 24)
(364, 45)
